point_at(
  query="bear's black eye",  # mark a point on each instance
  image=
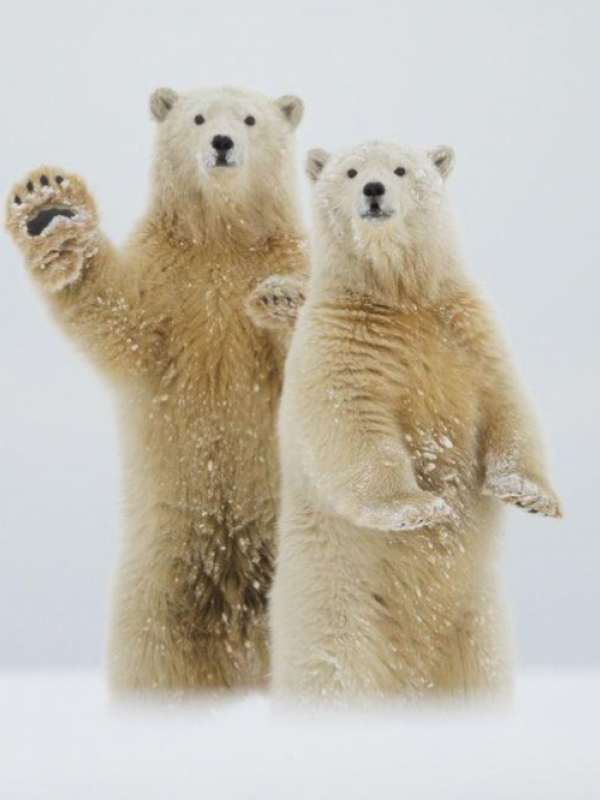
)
(199, 119)
(352, 173)
(250, 120)
(400, 171)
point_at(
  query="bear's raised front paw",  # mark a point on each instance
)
(52, 218)
(532, 495)
(412, 512)
(276, 301)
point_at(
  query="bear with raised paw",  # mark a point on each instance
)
(193, 345)
(402, 425)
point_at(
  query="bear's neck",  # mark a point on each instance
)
(398, 276)
(188, 217)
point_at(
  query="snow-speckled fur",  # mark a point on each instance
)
(197, 382)
(400, 416)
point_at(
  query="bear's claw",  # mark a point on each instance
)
(408, 514)
(524, 493)
(276, 301)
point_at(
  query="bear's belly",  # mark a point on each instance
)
(208, 429)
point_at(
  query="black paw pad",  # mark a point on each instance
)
(44, 180)
(43, 218)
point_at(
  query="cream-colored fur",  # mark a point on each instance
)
(197, 382)
(401, 424)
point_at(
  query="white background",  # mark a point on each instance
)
(513, 86)
(62, 740)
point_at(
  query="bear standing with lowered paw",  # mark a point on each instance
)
(402, 423)
(198, 383)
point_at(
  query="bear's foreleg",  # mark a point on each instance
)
(53, 220)
(514, 465)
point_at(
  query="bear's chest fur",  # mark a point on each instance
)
(413, 364)
(213, 354)
(215, 351)
(208, 418)
(434, 387)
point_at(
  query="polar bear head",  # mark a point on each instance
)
(382, 201)
(230, 147)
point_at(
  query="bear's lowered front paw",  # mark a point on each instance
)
(52, 218)
(532, 495)
(275, 301)
(412, 512)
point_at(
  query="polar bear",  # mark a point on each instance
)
(197, 383)
(402, 425)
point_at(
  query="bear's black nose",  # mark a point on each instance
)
(373, 189)
(222, 143)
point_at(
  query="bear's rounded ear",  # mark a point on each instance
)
(443, 159)
(161, 102)
(315, 161)
(292, 108)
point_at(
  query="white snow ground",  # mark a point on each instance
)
(61, 739)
